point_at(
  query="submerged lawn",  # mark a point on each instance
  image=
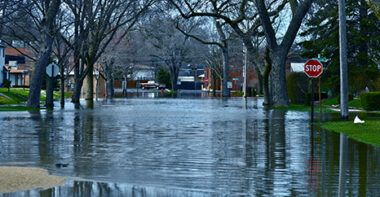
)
(369, 132)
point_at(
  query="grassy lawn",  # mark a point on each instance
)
(16, 108)
(19, 95)
(369, 132)
(356, 103)
(293, 107)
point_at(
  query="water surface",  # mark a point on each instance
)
(187, 146)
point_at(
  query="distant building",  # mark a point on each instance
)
(18, 66)
(191, 77)
(3, 71)
(144, 72)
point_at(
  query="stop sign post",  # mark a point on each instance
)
(313, 69)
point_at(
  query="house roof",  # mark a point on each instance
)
(13, 51)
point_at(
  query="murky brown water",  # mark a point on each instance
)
(187, 147)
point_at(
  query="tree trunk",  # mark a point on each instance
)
(90, 84)
(62, 71)
(280, 94)
(268, 68)
(39, 72)
(225, 90)
(174, 79)
(260, 81)
(44, 55)
(77, 89)
(109, 88)
(213, 83)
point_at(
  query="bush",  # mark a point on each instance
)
(370, 100)
(253, 92)
(297, 86)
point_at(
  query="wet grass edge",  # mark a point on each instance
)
(368, 133)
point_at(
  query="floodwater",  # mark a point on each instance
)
(187, 146)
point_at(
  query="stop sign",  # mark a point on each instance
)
(313, 68)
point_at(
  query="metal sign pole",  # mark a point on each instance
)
(320, 99)
(312, 99)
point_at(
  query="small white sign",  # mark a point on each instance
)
(52, 70)
(229, 84)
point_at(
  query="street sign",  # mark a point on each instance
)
(52, 70)
(235, 79)
(320, 59)
(313, 68)
(206, 80)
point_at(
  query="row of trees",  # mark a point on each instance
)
(115, 35)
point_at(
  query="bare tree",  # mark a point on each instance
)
(235, 12)
(49, 10)
(223, 43)
(279, 52)
(213, 62)
(172, 47)
(95, 23)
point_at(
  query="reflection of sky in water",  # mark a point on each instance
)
(196, 146)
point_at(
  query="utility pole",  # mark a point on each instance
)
(245, 75)
(343, 61)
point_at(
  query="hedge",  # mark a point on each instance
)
(297, 85)
(370, 100)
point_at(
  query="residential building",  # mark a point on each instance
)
(191, 77)
(18, 66)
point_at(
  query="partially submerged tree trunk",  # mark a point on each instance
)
(174, 78)
(213, 82)
(109, 82)
(268, 68)
(90, 84)
(225, 90)
(280, 93)
(62, 76)
(44, 54)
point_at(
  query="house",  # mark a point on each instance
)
(18, 66)
(191, 77)
(3, 71)
(143, 72)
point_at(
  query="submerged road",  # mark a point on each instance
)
(187, 147)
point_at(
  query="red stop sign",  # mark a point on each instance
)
(313, 68)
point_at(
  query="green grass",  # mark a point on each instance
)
(19, 95)
(237, 93)
(293, 107)
(7, 101)
(16, 108)
(369, 132)
(331, 101)
(355, 103)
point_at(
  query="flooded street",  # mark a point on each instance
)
(187, 147)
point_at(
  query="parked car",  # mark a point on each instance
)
(152, 84)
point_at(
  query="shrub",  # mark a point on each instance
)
(297, 86)
(370, 100)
